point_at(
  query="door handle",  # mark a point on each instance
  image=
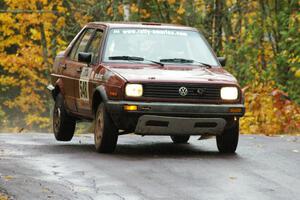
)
(79, 70)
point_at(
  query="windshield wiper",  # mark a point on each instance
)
(133, 58)
(183, 60)
(176, 60)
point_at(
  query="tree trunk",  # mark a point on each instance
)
(208, 21)
(126, 9)
(218, 13)
(262, 34)
(43, 37)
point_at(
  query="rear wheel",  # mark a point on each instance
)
(227, 142)
(105, 133)
(63, 124)
(180, 139)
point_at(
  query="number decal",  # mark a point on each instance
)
(83, 89)
(84, 83)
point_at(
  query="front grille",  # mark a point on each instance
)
(171, 90)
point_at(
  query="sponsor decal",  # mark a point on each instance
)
(150, 32)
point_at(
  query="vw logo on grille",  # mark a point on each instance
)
(201, 91)
(183, 91)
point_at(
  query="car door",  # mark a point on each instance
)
(85, 88)
(73, 68)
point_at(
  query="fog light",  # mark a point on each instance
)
(130, 107)
(235, 110)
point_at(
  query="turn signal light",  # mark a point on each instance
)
(235, 110)
(113, 93)
(130, 107)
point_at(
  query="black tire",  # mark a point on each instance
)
(227, 142)
(105, 132)
(63, 124)
(180, 139)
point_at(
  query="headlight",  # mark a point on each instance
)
(229, 93)
(134, 90)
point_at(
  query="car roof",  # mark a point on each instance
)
(141, 25)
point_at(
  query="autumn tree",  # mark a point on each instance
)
(29, 34)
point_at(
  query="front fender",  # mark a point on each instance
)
(101, 90)
(99, 96)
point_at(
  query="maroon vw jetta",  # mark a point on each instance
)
(147, 79)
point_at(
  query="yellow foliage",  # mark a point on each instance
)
(171, 2)
(60, 22)
(199, 5)
(121, 9)
(7, 81)
(269, 111)
(134, 8)
(35, 35)
(180, 10)
(110, 11)
(176, 19)
(43, 122)
(145, 14)
(297, 73)
(82, 19)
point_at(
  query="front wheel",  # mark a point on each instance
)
(63, 124)
(105, 133)
(227, 142)
(180, 139)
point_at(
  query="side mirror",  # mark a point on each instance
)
(222, 61)
(85, 57)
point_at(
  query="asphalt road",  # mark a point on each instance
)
(35, 166)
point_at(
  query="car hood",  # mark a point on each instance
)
(153, 73)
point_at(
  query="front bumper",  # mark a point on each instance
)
(173, 118)
(177, 108)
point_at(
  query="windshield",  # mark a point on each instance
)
(160, 45)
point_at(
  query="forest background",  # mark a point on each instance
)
(259, 38)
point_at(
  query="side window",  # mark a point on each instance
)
(94, 46)
(81, 44)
